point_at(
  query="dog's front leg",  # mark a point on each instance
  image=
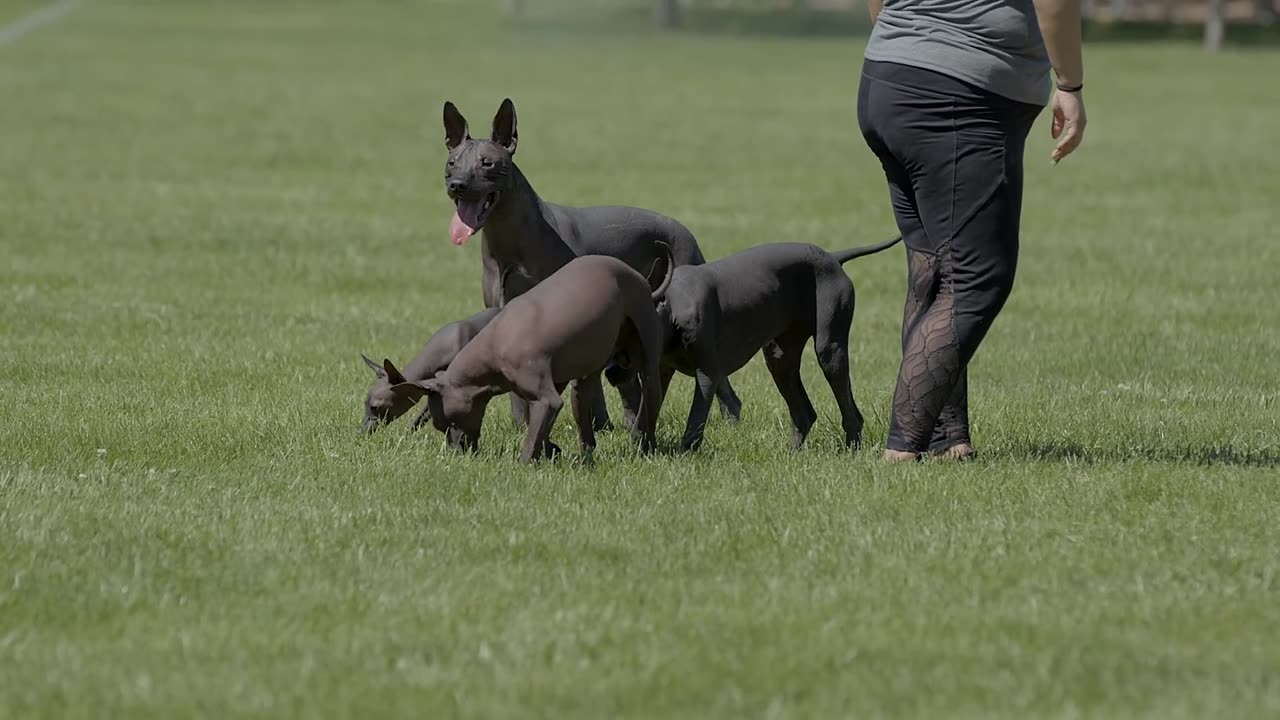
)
(490, 279)
(542, 416)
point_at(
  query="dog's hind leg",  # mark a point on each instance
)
(831, 344)
(833, 358)
(632, 351)
(653, 379)
(730, 404)
(783, 362)
(581, 408)
(542, 416)
(646, 428)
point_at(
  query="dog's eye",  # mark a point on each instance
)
(450, 162)
(486, 162)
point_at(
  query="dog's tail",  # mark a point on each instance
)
(671, 269)
(845, 256)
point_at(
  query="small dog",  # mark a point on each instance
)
(772, 298)
(384, 404)
(593, 310)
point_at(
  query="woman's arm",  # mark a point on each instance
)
(873, 7)
(1060, 26)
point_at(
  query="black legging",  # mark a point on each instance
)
(953, 156)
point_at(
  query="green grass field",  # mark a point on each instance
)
(209, 210)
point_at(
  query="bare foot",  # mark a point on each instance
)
(897, 456)
(957, 453)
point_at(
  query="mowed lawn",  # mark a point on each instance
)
(209, 210)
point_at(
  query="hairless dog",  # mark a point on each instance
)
(592, 310)
(385, 403)
(772, 298)
(521, 229)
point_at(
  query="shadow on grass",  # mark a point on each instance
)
(1206, 455)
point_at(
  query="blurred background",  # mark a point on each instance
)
(1208, 19)
(210, 209)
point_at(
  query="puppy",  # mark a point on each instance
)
(772, 298)
(385, 404)
(593, 310)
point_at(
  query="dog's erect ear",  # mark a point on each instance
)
(416, 390)
(393, 375)
(455, 126)
(504, 126)
(377, 369)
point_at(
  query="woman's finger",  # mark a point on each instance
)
(1070, 140)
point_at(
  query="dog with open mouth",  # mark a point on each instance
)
(519, 229)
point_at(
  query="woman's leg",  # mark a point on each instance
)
(877, 105)
(951, 437)
(962, 152)
(951, 431)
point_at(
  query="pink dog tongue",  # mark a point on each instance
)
(466, 220)
(459, 230)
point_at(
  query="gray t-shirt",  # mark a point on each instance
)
(994, 44)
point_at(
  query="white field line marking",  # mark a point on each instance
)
(15, 30)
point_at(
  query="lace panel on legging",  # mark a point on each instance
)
(931, 367)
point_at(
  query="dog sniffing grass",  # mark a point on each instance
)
(212, 208)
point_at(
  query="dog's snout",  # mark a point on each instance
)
(457, 186)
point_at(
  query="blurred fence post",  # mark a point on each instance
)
(667, 13)
(1214, 27)
(1266, 12)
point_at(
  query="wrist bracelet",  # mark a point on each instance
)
(1070, 88)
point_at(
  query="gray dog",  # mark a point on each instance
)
(592, 310)
(772, 298)
(538, 237)
(385, 403)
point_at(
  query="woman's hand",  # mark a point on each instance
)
(1068, 123)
